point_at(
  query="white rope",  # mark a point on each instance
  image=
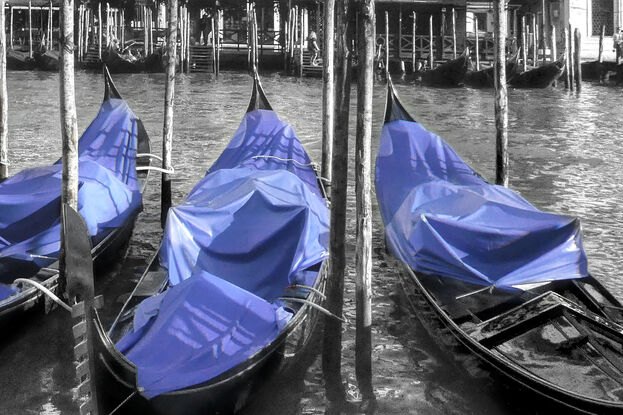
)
(490, 288)
(144, 168)
(5, 163)
(312, 304)
(282, 159)
(44, 290)
(307, 287)
(153, 156)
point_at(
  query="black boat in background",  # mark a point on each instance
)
(19, 60)
(484, 77)
(540, 77)
(451, 73)
(291, 352)
(47, 60)
(105, 248)
(561, 338)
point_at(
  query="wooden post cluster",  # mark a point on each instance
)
(500, 99)
(328, 86)
(169, 92)
(477, 44)
(4, 101)
(332, 341)
(576, 58)
(363, 190)
(431, 57)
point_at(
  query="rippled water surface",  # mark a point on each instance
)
(566, 156)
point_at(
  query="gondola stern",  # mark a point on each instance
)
(394, 110)
(258, 97)
(110, 90)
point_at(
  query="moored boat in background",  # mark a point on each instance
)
(539, 77)
(484, 77)
(450, 73)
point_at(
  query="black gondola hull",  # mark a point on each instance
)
(539, 77)
(451, 73)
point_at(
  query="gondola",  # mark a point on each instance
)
(598, 71)
(47, 60)
(154, 62)
(118, 63)
(450, 73)
(540, 77)
(241, 266)
(19, 60)
(484, 77)
(113, 175)
(508, 281)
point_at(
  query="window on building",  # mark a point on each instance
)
(603, 15)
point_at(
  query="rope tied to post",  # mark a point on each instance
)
(44, 290)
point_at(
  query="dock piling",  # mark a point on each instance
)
(453, 33)
(554, 52)
(100, 27)
(328, 91)
(601, 44)
(30, 29)
(11, 27)
(543, 37)
(301, 40)
(332, 341)
(500, 99)
(524, 44)
(577, 60)
(477, 44)
(4, 101)
(363, 186)
(169, 92)
(535, 44)
(431, 43)
(571, 57)
(567, 61)
(413, 63)
(386, 63)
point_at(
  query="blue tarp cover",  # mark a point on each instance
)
(250, 228)
(442, 219)
(108, 193)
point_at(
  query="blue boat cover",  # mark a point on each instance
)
(251, 227)
(108, 194)
(441, 218)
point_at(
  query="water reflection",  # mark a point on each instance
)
(565, 156)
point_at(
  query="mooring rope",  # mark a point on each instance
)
(489, 287)
(313, 305)
(310, 288)
(5, 163)
(153, 156)
(123, 403)
(44, 290)
(144, 168)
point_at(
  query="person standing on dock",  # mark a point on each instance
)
(314, 49)
(617, 43)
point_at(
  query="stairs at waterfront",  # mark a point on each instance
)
(200, 58)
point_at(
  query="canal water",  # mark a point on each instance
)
(565, 156)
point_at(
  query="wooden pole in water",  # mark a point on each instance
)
(543, 36)
(100, 27)
(122, 29)
(516, 38)
(442, 33)
(169, 93)
(477, 44)
(301, 40)
(80, 22)
(4, 101)
(218, 41)
(453, 33)
(500, 100)
(553, 50)
(363, 188)
(213, 47)
(108, 31)
(386, 63)
(577, 60)
(332, 341)
(328, 90)
(535, 47)
(524, 44)
(50, 26)
(567, 61)
(11, 28)
(571, 56)
(601, 44)
(413, 43)
(30, 29)
(431, 57)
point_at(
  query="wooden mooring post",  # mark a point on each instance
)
(363, 188)
(30, 29)
(535, 44)
(332, 340)
(543, 36)
(553, 51)
(219, 15)
(524, 44)
(571, 56)
(600, 57)
(453, 33)
(11, 27)
(328, 91)
(4, 101)
(414, 27)
(500, 99)
(477, 44)
(565, 35)
(100, 27)
(169, 93)
(431, 43)
(576, 59)
(386, 63)
(301, 40)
